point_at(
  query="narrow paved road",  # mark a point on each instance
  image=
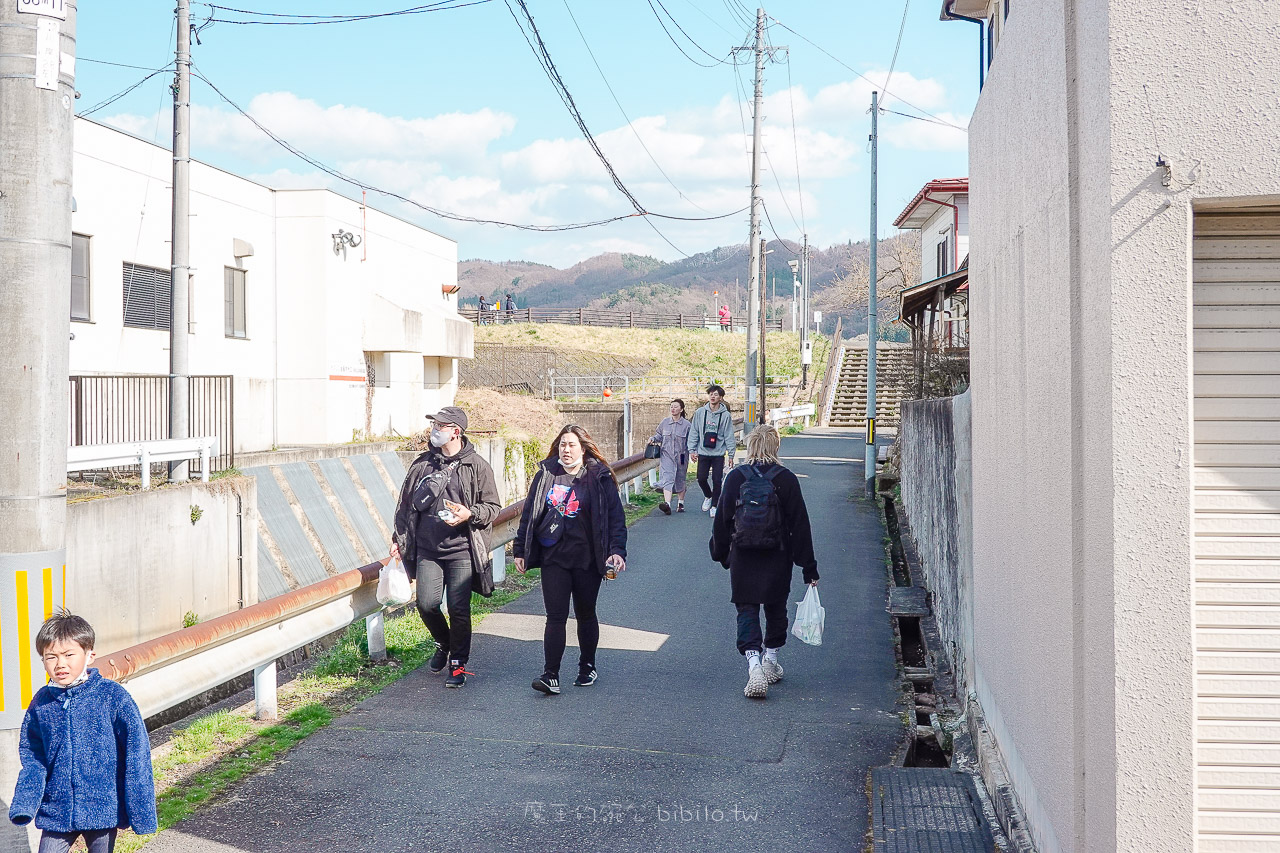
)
(663, 754)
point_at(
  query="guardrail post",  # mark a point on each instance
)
(144, 464)
(653, 478)
(499, 564)
(264, 692)
(375, 629)
(204, 464)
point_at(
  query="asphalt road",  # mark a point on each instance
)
(663, 753)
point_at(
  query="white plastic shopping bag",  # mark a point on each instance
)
(393, 585)
(810, 617)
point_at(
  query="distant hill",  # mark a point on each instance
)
(642, 283)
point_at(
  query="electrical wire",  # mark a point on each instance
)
(922, 118)
(703, 13)
(716, 60)
(769, 219)
(839, 62)
(443, 214)
(103, 104)
(117, 64)
(781, 192)
(630, 123)
(795, 145)
(901, 29)
(315, 20)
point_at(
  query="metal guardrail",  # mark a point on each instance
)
(792, 413)
(606, 317)
(91, 457)
(171, 669)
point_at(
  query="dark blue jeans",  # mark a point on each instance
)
(775, 618)
(435, 578)
(97, 840)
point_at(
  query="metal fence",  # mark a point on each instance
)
(618, 386)
(607, 317)
(115, 409)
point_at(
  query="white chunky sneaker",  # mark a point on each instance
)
(713, 512)
(706, 504)
(757, 684)
(772, 670)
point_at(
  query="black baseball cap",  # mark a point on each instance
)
(451, 415)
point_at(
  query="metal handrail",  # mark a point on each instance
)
(605, 317)
(214, 652)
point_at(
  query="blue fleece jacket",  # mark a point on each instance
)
(86, 761)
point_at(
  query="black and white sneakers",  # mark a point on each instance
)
(457, 674)
(548, 684)
(438, 660)
(586, 677)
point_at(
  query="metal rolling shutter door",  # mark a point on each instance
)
(1236, 317)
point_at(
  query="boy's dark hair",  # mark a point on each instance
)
(715, 388)
(64, 626)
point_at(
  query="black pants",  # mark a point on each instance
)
(434, 578)
(97, 840)
(713, 465)
(557, 587)
(775, 618)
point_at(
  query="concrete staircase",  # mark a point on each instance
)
(893, 377)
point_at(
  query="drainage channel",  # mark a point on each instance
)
(927, 745)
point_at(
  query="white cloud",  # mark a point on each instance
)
(475, 163)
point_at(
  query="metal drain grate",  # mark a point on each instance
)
(926, 810)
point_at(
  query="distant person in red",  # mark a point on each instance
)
(726, 319)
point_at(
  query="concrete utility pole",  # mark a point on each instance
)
(37, 90)
(179, 330)
(804, 313)
(869, 469)
(753, 241)
(760, 409)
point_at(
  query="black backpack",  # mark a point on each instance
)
(757, 515)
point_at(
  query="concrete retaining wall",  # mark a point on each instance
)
(933, 443)
(138, 563)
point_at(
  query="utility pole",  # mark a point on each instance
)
(760, 410)
(37, 90)
(805, 355)
(869, 469)
(753, 240)
(179, 319)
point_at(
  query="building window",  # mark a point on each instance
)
(80, 278)
(378, 365)
(234, 286)
(148, 293)
(941, 260)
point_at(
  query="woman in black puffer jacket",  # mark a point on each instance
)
(573, 528)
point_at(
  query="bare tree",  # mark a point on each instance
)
(897, 268)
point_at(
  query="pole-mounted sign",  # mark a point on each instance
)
(48, 8)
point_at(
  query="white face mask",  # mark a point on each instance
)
(441, 437)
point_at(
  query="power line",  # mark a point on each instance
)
(922, 118)
(795, 144)
(296, 20)
(717, 60)
(901, 29)
(557, 82)
(103, 104)
(701, 12)
(769, 219)
(443, 214)
(630, 123)
(781, 192)
(868, 79)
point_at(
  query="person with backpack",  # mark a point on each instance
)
(761, 531)
(710, 439)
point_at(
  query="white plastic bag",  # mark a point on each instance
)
(393, 585)
(810, 618)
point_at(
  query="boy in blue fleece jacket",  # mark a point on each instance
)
(86, 759)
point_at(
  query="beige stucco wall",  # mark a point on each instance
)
(1081, 389)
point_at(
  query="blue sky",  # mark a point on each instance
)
(452, 110)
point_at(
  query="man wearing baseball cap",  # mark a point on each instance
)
(447, 503)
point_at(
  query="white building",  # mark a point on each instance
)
(325, 342)
(1125, 356)
(937, 309)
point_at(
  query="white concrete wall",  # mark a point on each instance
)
(1081, 392)
(133, 590)
(293, 373)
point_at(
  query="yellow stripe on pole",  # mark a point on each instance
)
(48, 592)
(24, 638)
